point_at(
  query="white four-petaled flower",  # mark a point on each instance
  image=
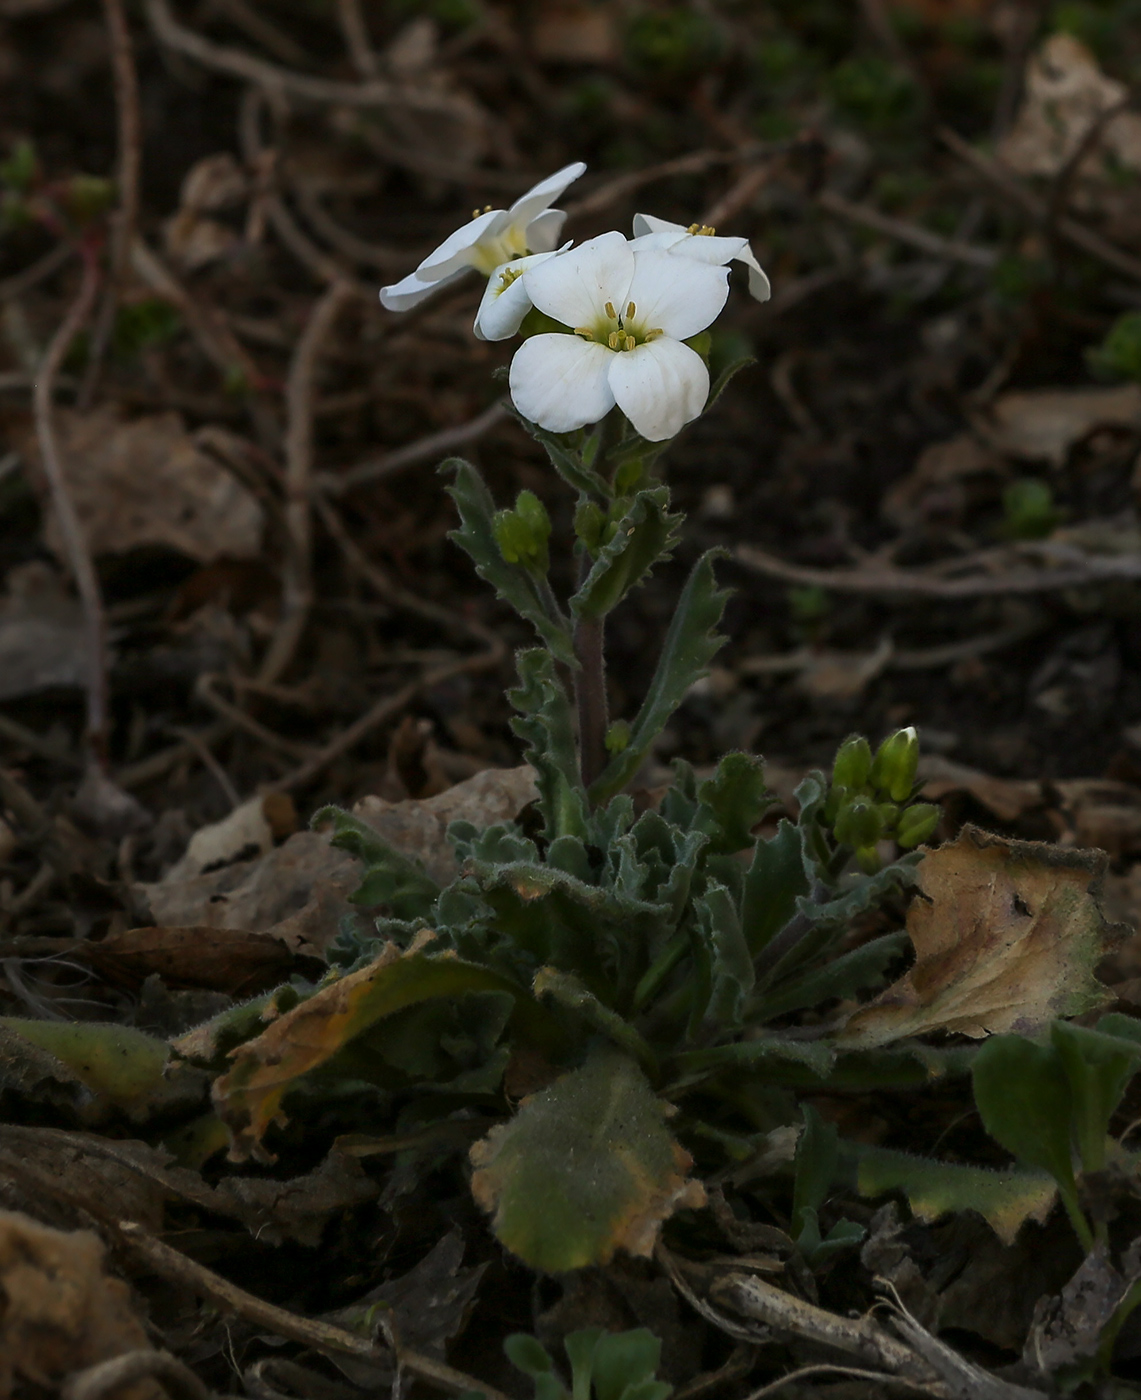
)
(492, 238)
(629, 310)
(703, 244)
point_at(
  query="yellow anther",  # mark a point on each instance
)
(610, 311)
(654, 334)
(630, 311)
(585, 332)
(475, 213)
(509, 275)
(614, 340)
(487, 210)
(701, 230)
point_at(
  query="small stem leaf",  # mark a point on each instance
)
(726, 377)
(1024, 1098)
(565, 459)
(249, 1096)
(690, 645)
(773, 884)
(585, 1168)
(843, 977)
(814, 1166)
(513, 583)
(568, 992)
(390, 877)
(732, 802)
(1099, 1068)
(1006, 1200)
(545, 724)
(645, 536)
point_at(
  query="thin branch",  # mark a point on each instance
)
(297, 583)
(1072, 231)
(425, 448)
(355, 33)
(272, 78)
(204, 690)
(343, 240)
(74, 541)
(322, 1336)
(738, 195)
(106, 1377)
(917, 237)
(696, 163)
(37, 272)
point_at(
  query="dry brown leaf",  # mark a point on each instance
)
(1101, 812)
(946, 480)
(145, 483)
(1007, 935)
(247, 832)
(234, 961)
(1043, 424)
(571, 31)
(61, 1311)
(1007, 798)
(1065, 94)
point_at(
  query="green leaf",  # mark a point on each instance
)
(814, 1167)
(843, 977)
(731, 967)
(117, 1063)
(725, 378)
(571, 464)
(1099, 1068)
(528, 1354)
(775, 880)
(514, 584)
(624, 1359)
(732, 802)
(933, 1189)
(1024, 1098)
(768, 1053)
(580, 1347)
(645, 536)
(545, 724)
(568, 991)
(584, 1168)
(690, 645)
(390, 877)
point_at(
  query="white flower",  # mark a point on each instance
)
(698, 241)
(630, 312)
(492, 238)
(505, 300)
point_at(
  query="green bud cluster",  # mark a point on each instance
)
(871, 796)
(522, 533)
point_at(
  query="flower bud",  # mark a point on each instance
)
(917, 824)
(858, 824)
(853, 763)
(868, 859)
(618, 736)
(533, 513)
(893, 770)
(522, 533)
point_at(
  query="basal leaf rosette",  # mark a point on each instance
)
(629, 314)
(585, 1168)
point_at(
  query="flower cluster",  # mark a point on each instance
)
(618, 311)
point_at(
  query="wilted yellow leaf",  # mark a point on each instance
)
(1007, 935)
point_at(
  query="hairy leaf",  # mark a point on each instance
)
(843, 977)
(732, 802)
(117, 1063)
(1099, 1068)
(1007, 935)
(1005, 1200)
(513, 583)
(690, 645)
(730, 966)
(646, 536)
(249, 1097)
(544, 722)
(390, 877)
(567, 991)
(774, 882)
(585, 1168)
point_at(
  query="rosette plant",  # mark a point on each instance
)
(606, 996)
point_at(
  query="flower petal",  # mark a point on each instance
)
(675, 294)
(542, 233)
(410, 290)
(650, 223)
(504, 305)
(759, 285)
(457, 249)
(544, 194)
(661, 386)
(575, 287)
(559, 381)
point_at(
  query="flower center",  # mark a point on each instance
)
(619, 331)
(507, 276)
(702, 230)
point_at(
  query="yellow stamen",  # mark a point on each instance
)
(630, 311)
(654, 334)
(701, 230)
(509, 275)
(610, 311)
(585, 332)
(614, 340)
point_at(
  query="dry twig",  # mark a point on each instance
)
(948, 248)
(432, 445)
(107, 1377)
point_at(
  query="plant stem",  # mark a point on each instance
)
(590, 697)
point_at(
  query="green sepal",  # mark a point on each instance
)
(732, 802)
(645, 536)
(545, 724)
(690, 645)
(390, 877)
(514, 583)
